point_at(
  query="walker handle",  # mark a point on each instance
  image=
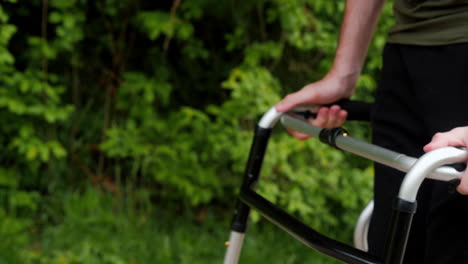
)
(357, 110)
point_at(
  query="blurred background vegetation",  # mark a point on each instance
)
(126, 124)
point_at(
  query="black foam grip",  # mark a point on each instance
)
(452, 185)
(357, 110)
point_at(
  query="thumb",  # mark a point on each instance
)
(438, 140)
(463, 187)
(435, 145)
(455, 137)
(291, 101)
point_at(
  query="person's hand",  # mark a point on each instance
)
(328, 90)
(457, 137)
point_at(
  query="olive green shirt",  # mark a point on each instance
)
(430, 22)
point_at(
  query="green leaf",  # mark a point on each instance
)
(55, 17)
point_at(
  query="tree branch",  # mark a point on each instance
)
(175, 6)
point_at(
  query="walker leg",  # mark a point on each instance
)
(251, 175)
(238, 229)
(362, 228)
(234, 246)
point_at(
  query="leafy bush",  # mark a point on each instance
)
(97, 229)
(162, 97)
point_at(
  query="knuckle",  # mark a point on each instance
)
(318, 122)
(458, 130)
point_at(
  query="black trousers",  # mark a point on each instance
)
(423, 90)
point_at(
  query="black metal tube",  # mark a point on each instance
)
(250, 199)
(256, 155)
(305, 234)
(252, 171)
(240, 218)
(397, 236)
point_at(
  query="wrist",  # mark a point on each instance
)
(346, 80)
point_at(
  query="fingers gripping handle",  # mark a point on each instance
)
(357, 110)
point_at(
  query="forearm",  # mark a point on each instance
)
(358, 26)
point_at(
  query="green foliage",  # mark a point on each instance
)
(159, 23)
(96, 229)
(14, 204)
(159, 99)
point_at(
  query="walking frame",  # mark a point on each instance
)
(431, 165)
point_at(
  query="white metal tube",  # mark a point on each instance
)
(270, 118)
(362, 227)
(234, 247)
(428, 162)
